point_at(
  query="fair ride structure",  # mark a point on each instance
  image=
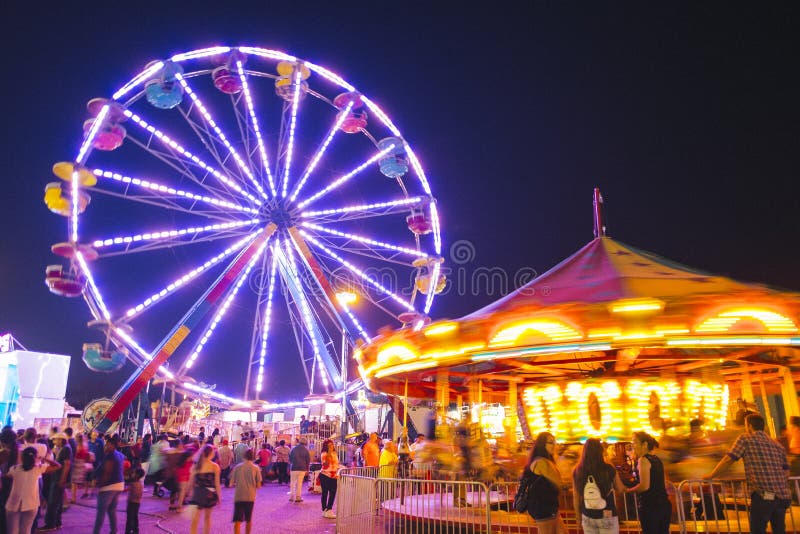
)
(234, 193)
(610, 341)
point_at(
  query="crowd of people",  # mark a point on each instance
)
(42, 475)
(596, 483)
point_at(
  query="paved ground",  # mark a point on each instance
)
(273, 513)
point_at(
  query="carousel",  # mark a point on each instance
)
(610, 341)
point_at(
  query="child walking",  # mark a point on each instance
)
(135, 488)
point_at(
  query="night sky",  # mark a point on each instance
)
(685, 116)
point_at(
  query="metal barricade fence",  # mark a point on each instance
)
(724, 506)
(369, 503)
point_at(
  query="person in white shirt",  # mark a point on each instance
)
(23, 501)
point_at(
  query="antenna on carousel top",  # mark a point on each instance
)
(599, 225)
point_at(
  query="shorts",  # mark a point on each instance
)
(242, 511)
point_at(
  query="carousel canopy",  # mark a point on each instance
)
(607, 310)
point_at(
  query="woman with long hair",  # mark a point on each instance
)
(206, 490)
(23, 500)
(547, 483)
(329, 476)
(654, 506)
(599, 515)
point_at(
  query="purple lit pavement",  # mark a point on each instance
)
(272, 513)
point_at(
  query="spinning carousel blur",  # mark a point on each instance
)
(610, 341)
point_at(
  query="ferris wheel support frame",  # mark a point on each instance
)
(139, 379)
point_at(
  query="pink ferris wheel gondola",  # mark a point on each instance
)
(233, 180)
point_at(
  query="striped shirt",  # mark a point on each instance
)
(765, 464)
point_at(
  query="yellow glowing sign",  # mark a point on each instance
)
(773, 322)
(610, 410)
(553, 329)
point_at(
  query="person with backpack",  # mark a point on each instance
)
(593, 481)
(545, 486)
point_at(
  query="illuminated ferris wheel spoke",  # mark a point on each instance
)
(188, 363)
(358, 272)
(168, 234)
(364, 240)
(294, 286)
(181, 281)
(364, 211)
(221, 136)
(321, 151)
(251, 113)
(191, 157)
(345, 178)
(287, 163)
(266, 325)
(169, 193)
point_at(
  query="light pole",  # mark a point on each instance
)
(345, 298)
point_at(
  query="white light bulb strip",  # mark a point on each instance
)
(212, 393)
(87, 143)
(265, 328)
(292, 128)
(146, 74)
(305, 309)
(336, 183)
(185, 153)
(330, 76)
(92, 285)
(407, 305)
(203, 52)
(224, 308)
(191, 275)
(269, 54)
(356, 322)
(434, 279)
(166, 234)
(254, 121)
(365, 240)
(362, 207)
(160, 188)
(211, 122)
(76, 198)
(337, 125)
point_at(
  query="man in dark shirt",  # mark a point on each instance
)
(58, 482)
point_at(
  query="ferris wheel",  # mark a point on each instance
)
(240, 193)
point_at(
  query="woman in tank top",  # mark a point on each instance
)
(654, 506)
(546, 486)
